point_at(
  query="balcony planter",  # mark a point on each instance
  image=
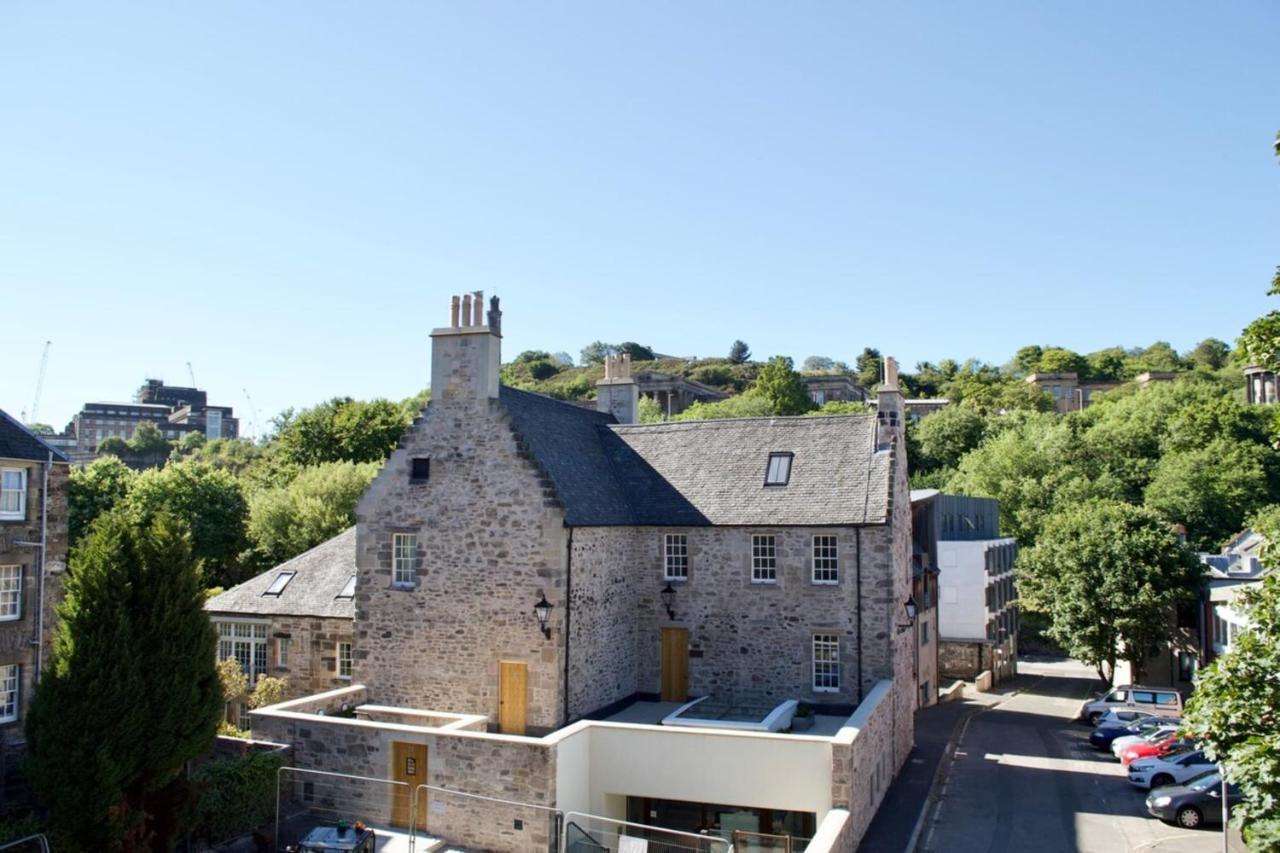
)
(803, 719)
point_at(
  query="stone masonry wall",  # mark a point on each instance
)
(313, 653)
(863, 761)
(491, 538)
(961, 658)
(17, 636)
(513, 769)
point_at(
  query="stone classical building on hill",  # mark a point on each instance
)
(619, 615)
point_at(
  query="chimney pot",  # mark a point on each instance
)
(477, 303)
(453, 313)
(466, 309)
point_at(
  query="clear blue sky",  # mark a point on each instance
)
(286, 194)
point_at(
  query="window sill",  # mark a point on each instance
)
(343, 677)
(826, 690)
(826, 583)
(670, 579)
(9, 517)
(404, 586)
(756, 582)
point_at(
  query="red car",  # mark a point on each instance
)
(1168, 746)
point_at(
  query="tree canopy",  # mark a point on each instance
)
(131, 693)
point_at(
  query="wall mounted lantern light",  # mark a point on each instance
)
(668, 596)
(543, 611)
(912, 610)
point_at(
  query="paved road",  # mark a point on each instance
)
(1025, 778)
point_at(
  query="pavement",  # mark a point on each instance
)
(1012, 771)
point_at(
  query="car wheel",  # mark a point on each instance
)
(1094, 717)
(1160, 780)
(1189, 817)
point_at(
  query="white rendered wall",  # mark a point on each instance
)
(962, 589)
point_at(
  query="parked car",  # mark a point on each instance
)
(1156, 772)
(1162, 701)
(1194, 804)
(1124, 717)
(1146, 734)
(1104, 735)
(1172, 745)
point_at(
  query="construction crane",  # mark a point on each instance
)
(192, 374)
(253, 413)
(35, 400)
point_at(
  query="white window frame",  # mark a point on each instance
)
(348, 589)
(20, 512)
(339, 660)
(279, 583)
(764, 558)
(10, 593)
(246, 641)
(282, 651)
(10, 688)
(675, 557)
(826, 559)
(404, 561)
(778, 470)
(826, 663)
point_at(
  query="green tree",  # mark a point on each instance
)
(594, 353)
(42, 429)
(946, 436)
(1110, 576)
(1260, 340)
(209, 500)
(842, 407)
(94, 489)
(649, 411)
(780, 386)
(342, 429)
(868, 365)
(114, 445)
(1110, 363)
(317, 505)
(1026, 360)
(1212, 490)
(638, 352)
(147, 440)
(1160, 356)
(131, 693)
(747, 405)
(1059, 360)
(739, 353)
(1210, 354)
(817, 364)
(1235, 709)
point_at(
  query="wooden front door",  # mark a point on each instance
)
(513, 696)
(408, 765)
(675, 664)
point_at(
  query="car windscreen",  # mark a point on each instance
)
(1205, 781)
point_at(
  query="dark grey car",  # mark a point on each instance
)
(1194, 804)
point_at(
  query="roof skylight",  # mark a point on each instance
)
(278, 585)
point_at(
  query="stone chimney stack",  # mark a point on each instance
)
(890, 409)
(466, 355)
(617, 393)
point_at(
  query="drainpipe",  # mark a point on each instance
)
(44, 543)
(857, 563)
(568, 597)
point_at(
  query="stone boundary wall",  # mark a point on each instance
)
(863, 762)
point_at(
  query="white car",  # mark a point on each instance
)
(1119, 717)
(1120, 744)
(1156, 772)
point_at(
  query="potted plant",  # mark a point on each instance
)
(802, 720)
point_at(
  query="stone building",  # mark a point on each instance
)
(826, 388)
(534, 578)
(293, 621)
(1068, 392)
(1259, 385)
(33, 559)
(674, 394)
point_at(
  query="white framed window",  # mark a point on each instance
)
(9, 682)
(675, 557)
(344, 660)
(282, 651)
(13, 493)
(826, 663)
(10, 593)
(820, 397)
(826, 559)
(778, 471)
(348, 588)
(404, 559)
(280, 582)
(247, 643)
(764, 558)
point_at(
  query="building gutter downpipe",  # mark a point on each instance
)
(44, 544)
(857, 563)
(568, 597)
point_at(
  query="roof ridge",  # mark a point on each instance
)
(773, 419)
(17, 423)
(606, 416)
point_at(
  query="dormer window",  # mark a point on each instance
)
(779, 470)
(349, 588)
(278, 585)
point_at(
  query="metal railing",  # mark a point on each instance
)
(38, 838)
(350, 777)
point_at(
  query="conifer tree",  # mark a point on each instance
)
(132, 692)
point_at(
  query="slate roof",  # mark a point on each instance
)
(18, 442)
(691, 473)
(322, 572)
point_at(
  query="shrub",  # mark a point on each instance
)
(235, 795)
